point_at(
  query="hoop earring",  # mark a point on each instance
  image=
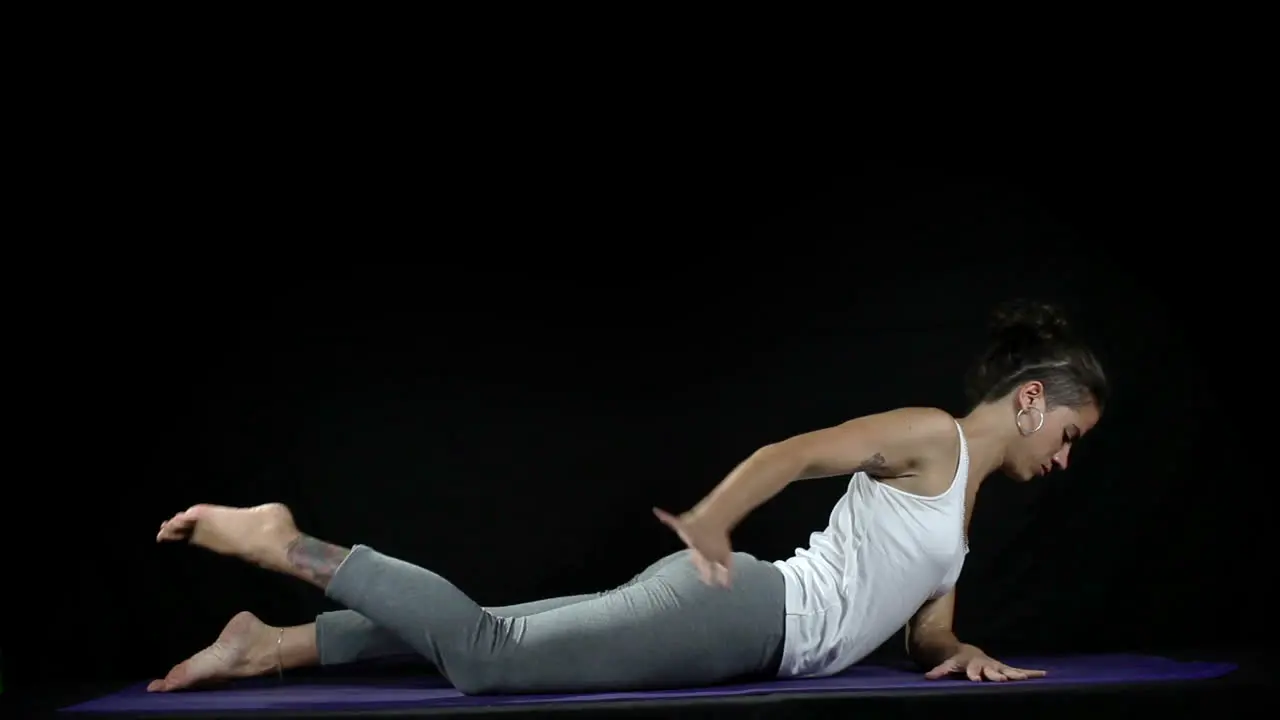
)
(1018, 420)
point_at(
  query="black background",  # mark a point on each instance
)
(495, 365)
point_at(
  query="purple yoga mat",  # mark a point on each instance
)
(432, 692)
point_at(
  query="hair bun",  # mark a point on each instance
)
(1024, 322)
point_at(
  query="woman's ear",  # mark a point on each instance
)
(1031, 395)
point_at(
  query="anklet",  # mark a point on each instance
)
(280, 656)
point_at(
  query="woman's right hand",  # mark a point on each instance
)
(712, 554)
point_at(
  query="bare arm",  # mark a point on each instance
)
(893, 444)
(930, 639)
(933, 645)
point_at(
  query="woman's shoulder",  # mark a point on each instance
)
(927, 421)
(935, 443)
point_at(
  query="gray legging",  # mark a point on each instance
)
(664, 628)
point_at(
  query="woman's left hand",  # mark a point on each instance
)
(979, 667)
(709, 542)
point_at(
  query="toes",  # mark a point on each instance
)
(179, 677)
(166, 683)
(177, 527)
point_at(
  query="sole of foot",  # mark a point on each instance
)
(260, 534)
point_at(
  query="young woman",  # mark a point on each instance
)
(891, 555)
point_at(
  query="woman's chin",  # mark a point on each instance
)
(1020, 475)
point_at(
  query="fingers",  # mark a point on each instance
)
(999, 672)
(674, 523)
(722, 574)
(705, 572)
(942, 670)
(667, 518)
(711, 573)
(992, 671)
(983, 670)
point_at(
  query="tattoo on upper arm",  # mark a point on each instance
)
(873, 464)
(316, 559)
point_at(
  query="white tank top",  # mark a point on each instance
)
(884, 553)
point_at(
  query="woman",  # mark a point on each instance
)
(891, 555)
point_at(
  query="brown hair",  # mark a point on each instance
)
(1032, 341)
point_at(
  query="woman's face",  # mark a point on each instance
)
(1040, 451)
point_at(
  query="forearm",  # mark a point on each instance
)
(751, 484)
(933, 646)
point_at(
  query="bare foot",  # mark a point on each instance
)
(245, 648)
(260, 535)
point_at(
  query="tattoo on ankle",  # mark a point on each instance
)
(316, 559)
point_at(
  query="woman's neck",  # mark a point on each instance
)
(987, 430)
